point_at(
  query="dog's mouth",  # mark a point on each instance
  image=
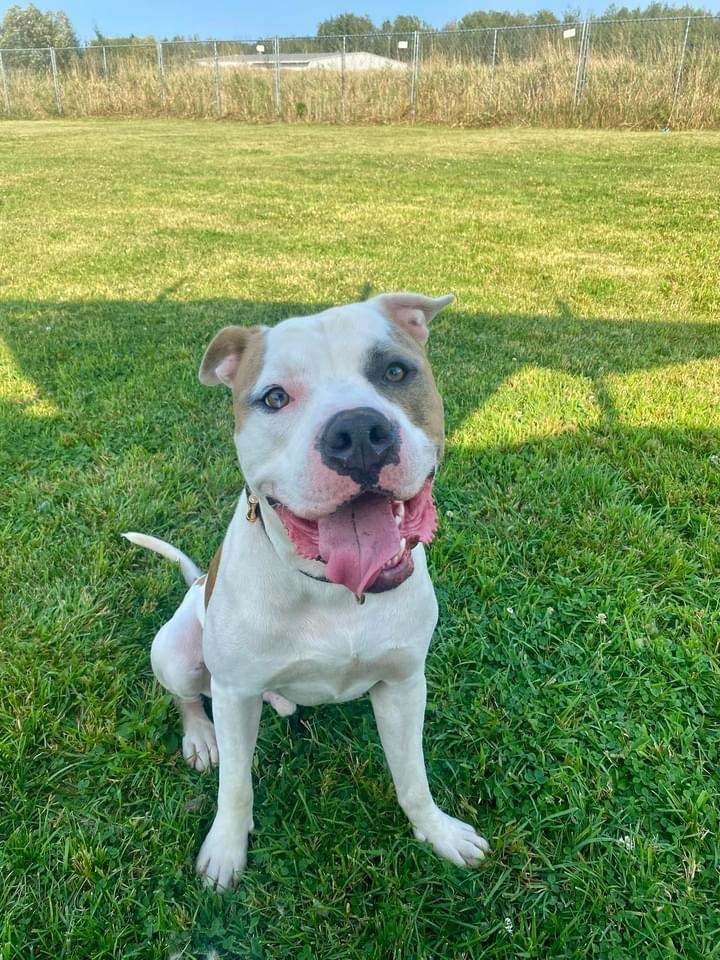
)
(366, 543)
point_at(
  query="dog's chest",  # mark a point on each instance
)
(326, 674)
(310, 641)
(316, 654)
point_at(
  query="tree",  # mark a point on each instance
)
(30, 27)
(546, 17)
(130, 41)
(502, 18)
(404, 24)
(345, 24)
(493, 18)
(655, 9)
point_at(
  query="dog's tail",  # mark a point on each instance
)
(189, 571)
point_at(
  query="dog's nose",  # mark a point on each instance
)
(358, 443)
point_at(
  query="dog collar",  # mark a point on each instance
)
(254, 514)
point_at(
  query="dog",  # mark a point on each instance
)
(320, 591)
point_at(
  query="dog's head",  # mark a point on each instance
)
(339, 426)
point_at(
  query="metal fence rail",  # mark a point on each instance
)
(646, 73)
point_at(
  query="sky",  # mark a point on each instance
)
(224, 19)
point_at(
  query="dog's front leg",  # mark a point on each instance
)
(223, 855)
(399, 713)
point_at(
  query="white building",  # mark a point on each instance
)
(308, 61)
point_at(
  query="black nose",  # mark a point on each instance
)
(359, 443)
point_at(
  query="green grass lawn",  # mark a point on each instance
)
(574, 681)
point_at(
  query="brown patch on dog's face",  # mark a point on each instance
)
(246, 377)
(415, 392)
(235, 358)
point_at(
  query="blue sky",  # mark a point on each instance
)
(225, 19)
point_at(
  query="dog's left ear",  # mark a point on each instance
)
(225, 353)
(412, 311)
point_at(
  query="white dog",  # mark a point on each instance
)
(320, 591)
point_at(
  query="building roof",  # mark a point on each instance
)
(353, 60)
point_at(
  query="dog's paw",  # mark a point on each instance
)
(452, 839)
(199, 745)
(283, 707)
(222, 857)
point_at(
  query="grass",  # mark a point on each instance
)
(574, 677)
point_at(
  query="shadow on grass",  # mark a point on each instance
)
(125, 436)
(118, 381)
(589, 348)
(84, 358)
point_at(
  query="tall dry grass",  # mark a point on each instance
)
(621, 90)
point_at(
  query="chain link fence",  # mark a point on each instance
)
(598, 73)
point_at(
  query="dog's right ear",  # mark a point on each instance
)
(225, 353)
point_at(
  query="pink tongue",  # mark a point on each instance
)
(358, 540)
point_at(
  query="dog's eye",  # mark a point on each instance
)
(395, 373)
(276, 398)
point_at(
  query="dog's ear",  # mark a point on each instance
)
(225, 353)
(412, 311)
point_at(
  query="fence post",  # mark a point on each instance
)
(587, 53)
(581, 47)
(492, 72)
(56, 80)
(161, 71)
(106, 76)
(581, 72)
(218, 89)
(6, 94)
(414, 66)
(681, 67)
(278, 104)
(342, 68)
